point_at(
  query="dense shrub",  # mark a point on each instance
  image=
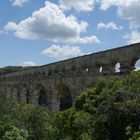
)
(109, 111)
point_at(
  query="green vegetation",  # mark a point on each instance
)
(110, 111)
(11, 69)
(132, 135)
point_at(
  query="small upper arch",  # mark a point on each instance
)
(135, 63)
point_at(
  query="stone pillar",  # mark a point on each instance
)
(92, 70)
(106, 69)
(125, 67)
(31, 94)
(8, 91)
(49, 99)
(55, 105)
(35, 97)
(77, 71)
(23, 95)
(14, 94)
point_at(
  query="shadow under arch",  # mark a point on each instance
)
(28, 96)
(43, 97)
(65, 98)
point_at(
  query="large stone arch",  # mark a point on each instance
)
(43, 97)
(98, 68)
(28, 96)
(114, 66)
(65, 97)
(18, 94)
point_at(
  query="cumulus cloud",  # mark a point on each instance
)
(78, 5)
(50, 23)
(83, 40)
(110, 25)
(66, 51)
(133, 37)
(105, 4)
(10, 26)
(28, 63)
(18, 2)
(127, 9)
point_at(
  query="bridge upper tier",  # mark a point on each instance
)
(126, 56)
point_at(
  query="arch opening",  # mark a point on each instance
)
(28, 97)
(49, 73)
(65, 98)
(101, 69)
(117, 67)
(43, 98)
(137, 65)
(85, 69)
(18, 96)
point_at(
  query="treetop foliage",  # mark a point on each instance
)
(108, 111)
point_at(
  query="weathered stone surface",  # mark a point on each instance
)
(76, 74)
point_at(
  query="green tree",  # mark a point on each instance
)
(132, 135)
(15, 134)
(38, 123)
(113, 104)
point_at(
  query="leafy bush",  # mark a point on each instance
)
(15, 134)
(99, 113)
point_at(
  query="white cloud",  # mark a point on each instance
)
(28, 63)
(127, 9)
(133, 37)
(110, 25)
(50, 23)
(105, 4)
(78, 5)
(10, 26)
(56, 51)
(18, 2)
(83, 40)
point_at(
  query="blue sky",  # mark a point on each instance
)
(38, 32)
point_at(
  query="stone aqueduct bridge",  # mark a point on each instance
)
(57, 84)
